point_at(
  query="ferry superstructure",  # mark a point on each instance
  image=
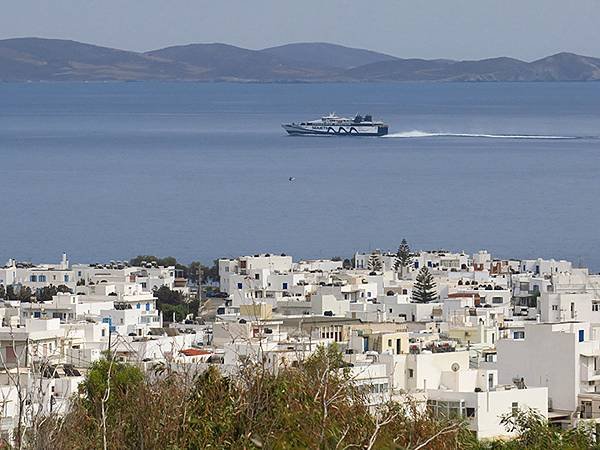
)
(338, 126)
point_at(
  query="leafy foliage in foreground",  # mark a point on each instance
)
(314, 405)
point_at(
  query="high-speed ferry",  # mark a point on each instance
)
(338, 126)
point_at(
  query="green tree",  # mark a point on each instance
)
(47, 292)
(403, 258)
(171, 301)
(212, 272)
(374, 264)
(123, 378)
(534, 432)
(195, 268)
(19, 292)
(168, 296)
(166, 261)
(424, 289)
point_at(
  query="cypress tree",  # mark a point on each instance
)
(424, 288)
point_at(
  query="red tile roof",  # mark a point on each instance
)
(194, 352)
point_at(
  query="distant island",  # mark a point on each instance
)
(36, 59)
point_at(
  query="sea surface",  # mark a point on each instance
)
(200, 171)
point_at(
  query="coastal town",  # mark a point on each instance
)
(463, 335)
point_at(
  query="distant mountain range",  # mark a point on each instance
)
(35, 59)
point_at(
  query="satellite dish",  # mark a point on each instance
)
(455, 367)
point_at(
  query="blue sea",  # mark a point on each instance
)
(199, 171)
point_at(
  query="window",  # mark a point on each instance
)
(42, 278)
(66, 278)
(496, 299)
(581, 335)
(257, 276)
(147, 306)
(389, 342)
(554, 307)
(515, 407)
(490, 380)
(470, 412)
(411, 373)
(586, 409)
(33, 278)
(596, 307)
(239, 285)
(138, 306)
(284, 286)
(519, 335)
(450, 409)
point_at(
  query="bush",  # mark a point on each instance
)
(313, 404)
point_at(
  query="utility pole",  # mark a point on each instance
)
(200, 274)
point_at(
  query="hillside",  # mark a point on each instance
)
(227, 62)
(59, 60)
(319, 54)
(36, 59)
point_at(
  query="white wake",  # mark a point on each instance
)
(425, 134)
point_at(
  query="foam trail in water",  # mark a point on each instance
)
(420, 134)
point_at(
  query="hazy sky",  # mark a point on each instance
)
(463, 29)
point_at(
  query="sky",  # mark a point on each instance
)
(458, 29)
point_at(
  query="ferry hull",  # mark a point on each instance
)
(297, 130)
